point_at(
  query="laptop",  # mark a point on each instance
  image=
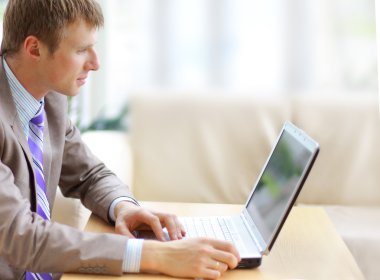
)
(256, 228)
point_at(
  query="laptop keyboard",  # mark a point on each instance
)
(214, 227)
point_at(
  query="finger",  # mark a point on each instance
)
(226, 247)
(222, 267)
(154, 222)
(210, 273)
(225, 260)
(180, 229)
(170, 224)
(183, 231)
(121, 228)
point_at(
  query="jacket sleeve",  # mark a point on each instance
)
(86, 177)
(28, 242)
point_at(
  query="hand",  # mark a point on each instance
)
(192, 257)
(130, 217)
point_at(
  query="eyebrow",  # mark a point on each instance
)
(86, 46)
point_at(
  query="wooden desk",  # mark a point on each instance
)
(308, 246)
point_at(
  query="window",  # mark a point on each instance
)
(236, 46)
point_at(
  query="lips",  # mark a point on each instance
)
(82, 80)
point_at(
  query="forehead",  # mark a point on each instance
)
(79, 33)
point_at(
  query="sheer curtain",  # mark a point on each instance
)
(377, 2)
(236, 46)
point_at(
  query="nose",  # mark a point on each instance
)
(93, 61)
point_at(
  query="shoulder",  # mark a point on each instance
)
(2, 127)
(1, 132)
(56, 100)
(56, 113)
(56, 105)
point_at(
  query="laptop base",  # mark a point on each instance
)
(249, 263)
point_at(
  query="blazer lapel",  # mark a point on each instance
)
(10, 116)
(47, 160)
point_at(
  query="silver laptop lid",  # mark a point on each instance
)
(280, 181)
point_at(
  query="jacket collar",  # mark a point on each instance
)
(9, 112)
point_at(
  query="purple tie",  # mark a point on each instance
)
(35, 141)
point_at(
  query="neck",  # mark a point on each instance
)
(27, 77)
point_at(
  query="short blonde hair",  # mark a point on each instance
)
(45, 19)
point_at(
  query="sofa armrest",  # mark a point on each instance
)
(71, 211)
(113, 148)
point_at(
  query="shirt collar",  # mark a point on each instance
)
(26, 105)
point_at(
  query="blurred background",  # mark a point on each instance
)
(239, 47)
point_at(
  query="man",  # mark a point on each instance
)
(47, 53)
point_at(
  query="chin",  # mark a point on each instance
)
(69, 93)
(74, 93)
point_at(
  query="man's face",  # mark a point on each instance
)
(66, 70)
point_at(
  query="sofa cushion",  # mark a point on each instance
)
(348, 130)
(211, 148)
(201, 149)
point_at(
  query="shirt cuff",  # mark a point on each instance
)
(132, 256)
(111, 212)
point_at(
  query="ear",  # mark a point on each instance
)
(32, 47)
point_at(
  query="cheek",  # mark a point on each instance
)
(66, 70)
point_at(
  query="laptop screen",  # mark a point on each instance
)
(278, 184)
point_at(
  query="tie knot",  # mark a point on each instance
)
(38, 118)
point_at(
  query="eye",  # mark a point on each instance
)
(82, 50)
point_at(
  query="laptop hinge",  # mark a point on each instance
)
(254, 232)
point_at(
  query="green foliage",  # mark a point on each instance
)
(116, 123)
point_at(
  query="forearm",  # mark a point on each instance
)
(27, 242)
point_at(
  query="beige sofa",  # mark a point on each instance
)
(210, 148)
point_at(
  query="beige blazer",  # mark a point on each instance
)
(27, 242)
